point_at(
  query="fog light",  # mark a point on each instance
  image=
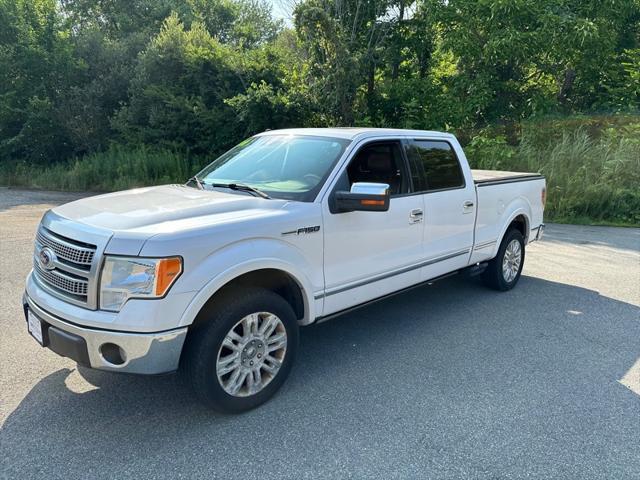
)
(112, 353)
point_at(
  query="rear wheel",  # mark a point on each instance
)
(503, 272)
(243, 351)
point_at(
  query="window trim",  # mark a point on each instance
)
(411, 141)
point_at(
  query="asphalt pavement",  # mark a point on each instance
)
(447, 381)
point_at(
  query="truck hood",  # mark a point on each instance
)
(144, 210)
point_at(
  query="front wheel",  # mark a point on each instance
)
(243, 350)
(503, 272)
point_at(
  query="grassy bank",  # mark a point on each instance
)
(592, 165)
(117, 168)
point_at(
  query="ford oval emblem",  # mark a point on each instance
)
(47, 258)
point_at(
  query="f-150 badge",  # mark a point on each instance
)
(303, 230)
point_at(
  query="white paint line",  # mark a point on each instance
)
(631, 379)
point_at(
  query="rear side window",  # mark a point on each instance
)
(434, 166)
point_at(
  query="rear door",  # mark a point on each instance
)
(449, 200)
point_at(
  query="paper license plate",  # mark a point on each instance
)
(35, 326)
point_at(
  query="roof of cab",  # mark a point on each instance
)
(352, 133)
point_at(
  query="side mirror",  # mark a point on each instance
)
(366, 197)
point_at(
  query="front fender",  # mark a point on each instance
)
(232, 261)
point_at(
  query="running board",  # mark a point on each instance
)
(475, 270)
(384, 297)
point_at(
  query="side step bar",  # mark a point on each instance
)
(475, 270)
(471, 271)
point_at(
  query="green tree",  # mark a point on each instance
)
(36, 65)
(516, 58)
(177, 95)
(243, 23)
(196, 75)
(344, 42)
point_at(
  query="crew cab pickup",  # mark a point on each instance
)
(290, 227)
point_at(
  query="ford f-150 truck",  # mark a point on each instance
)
(290, 227)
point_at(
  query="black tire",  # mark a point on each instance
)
(200, 354)
(493, 275)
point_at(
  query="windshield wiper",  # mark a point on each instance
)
(240, 187)
(197, 181)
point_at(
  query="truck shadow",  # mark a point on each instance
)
(445, 366)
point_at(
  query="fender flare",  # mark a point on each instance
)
(238, 269)
(519, 211)
(512, 217)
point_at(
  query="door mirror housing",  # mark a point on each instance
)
(365, 197)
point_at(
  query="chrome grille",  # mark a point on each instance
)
(70, 275)
(67, 284)
(66, 249)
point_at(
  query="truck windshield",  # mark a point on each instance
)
(290, 167)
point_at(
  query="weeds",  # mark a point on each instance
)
(118, 168)
(593, 176)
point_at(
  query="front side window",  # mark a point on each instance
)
(292, 167)
(434, 166)
(379, 162)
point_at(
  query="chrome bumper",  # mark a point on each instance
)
(144, 353)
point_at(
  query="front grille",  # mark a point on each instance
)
(65, 283)
(70, 276)
(66, 249)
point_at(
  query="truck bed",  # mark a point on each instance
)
(496, 177)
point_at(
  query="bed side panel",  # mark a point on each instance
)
(498, 206)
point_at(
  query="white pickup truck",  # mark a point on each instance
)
(290, 227)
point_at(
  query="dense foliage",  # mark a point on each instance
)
(175, 82)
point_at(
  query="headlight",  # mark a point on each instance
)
(130, 277)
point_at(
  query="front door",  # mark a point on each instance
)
(370, 254)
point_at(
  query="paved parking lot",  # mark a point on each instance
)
(447, 381)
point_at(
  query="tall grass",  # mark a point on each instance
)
(117, 168)
(592, 176)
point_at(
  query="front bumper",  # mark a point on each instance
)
(144, 353)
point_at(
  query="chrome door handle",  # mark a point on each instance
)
(415, 215)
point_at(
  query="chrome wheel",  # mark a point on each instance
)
(511, 260)
(251, 354)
